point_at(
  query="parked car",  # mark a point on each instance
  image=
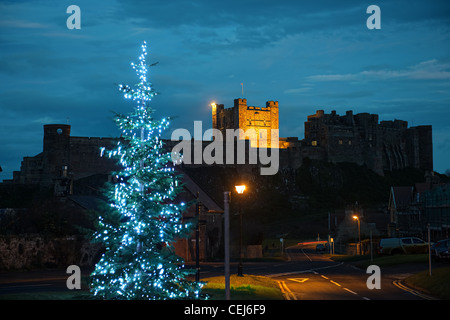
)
(402, 245)
(320, 248)
(440, 250)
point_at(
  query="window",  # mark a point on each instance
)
(416, 240)
(406, 241)
(340, 141)
(314, 143)
(349, 142)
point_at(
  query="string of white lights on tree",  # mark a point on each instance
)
(139, 230)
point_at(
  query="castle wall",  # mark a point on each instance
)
(425, 134)
(85, 157)
(361, 139)
(31, 170)
(64, 155)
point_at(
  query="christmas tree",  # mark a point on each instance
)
(143, 221)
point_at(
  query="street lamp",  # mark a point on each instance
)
(240, 190)
(359, 232)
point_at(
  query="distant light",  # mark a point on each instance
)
(240, 189)
(213, 104)
(356, 217)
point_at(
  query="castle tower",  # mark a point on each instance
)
(256, 123)
(217, 111)
(56, 154)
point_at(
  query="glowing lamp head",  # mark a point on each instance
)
(240, 189)
(356, 217)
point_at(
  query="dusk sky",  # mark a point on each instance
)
(308, 55)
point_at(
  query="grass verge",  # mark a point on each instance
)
(248, 287)
(438, 284)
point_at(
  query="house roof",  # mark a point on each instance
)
(87, 202)
(422, 187)
(402, 196)
(204, 198)
(93, 202)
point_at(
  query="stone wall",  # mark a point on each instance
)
(35, 251)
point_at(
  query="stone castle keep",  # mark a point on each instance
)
(261, 119)
(356, 138)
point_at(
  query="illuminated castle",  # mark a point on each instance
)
(356, 138)
(257, 124)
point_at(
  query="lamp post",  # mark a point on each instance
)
(226, 207)
(197, 241)
(359, 232)
(240, 190)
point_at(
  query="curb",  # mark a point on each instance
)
(400, 284)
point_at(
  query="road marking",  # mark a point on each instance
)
(398, 284)
(301, 280)
(288, 294)
(306, 255)
(324, 277)
(302, 271)
(350, 291)
(335, 283)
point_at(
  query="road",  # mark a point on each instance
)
(312, 276)
(306, 275)
(29, 282)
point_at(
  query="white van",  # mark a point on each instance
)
(402, 245)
